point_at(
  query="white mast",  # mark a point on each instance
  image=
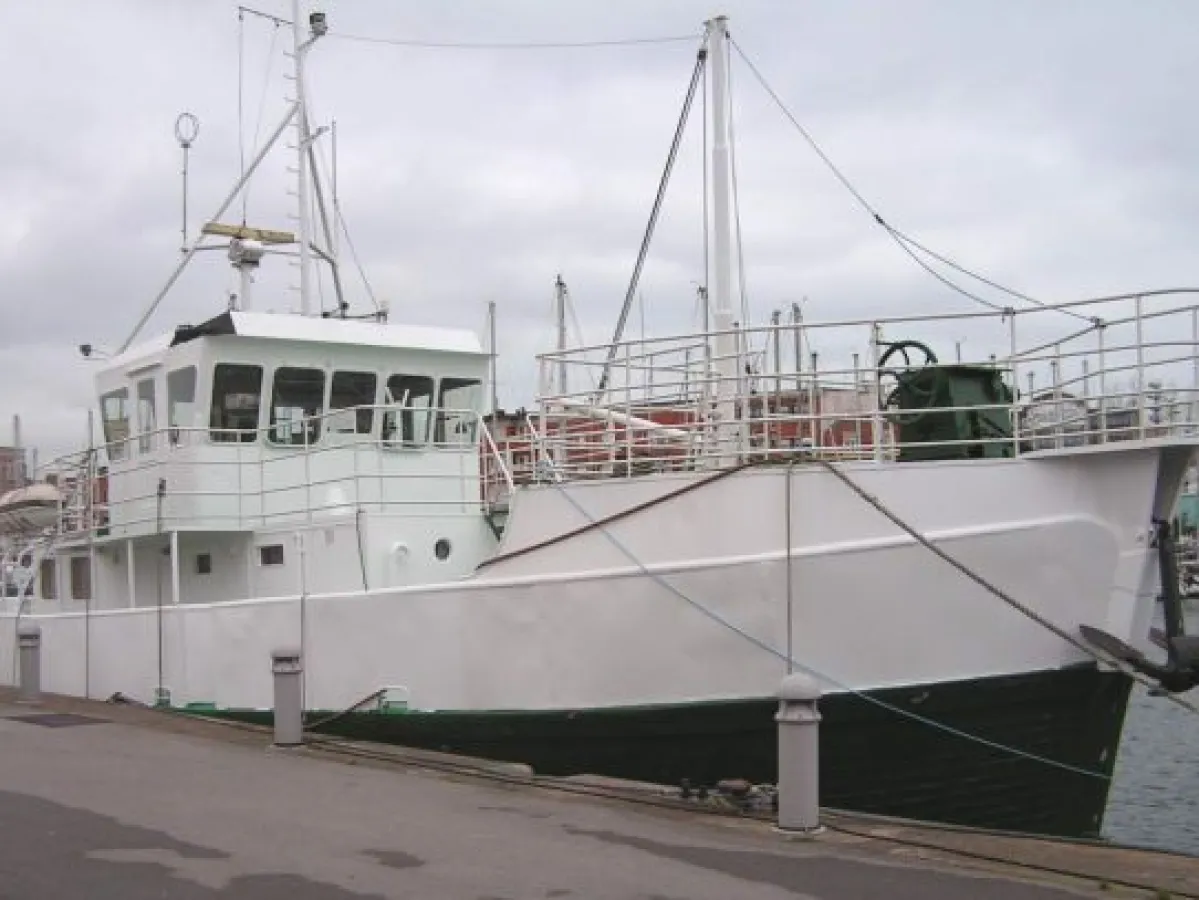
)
(303, 139)
(560, 330)
(725, 343)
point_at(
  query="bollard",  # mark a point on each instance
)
(288, 667)
(799, 754)
(29, 644)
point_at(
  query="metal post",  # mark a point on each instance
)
(288, 667)
(1102, 384)
(1086, 402)
(628, 411)
(776, 433)
(1055, 369)
(1011, 314)
(797, 321)
(876, 418)
(814, 402)
(187, 129)
(1140, 371)
(1194, 369)
(799, 754)
(29, 645)
(857, 400)
(491, 346)
(560, 331)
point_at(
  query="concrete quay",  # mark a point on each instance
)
(109, 801)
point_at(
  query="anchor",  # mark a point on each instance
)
(1180, 673)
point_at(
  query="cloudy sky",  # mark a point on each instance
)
(1051, 144)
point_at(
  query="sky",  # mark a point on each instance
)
(1049, 144)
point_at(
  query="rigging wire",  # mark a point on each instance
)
(906, 238)
(901, 239)
(266, 81)
(515, 45)
(1077, 642)
(241, 77)
(707, 237)
(345, 230)
(696, 76)
(821, 676)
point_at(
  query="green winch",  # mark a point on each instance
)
(941, 412)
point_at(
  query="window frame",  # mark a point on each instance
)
(397, 411)
(310, 429)
(218, 433)
(359, 414)
(444, 418)
(119, 444)
(146, 424)
(174, 401)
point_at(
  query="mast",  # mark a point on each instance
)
(303, 141)
(245, 254)
(560, 331)
(298, 49)
(494, 361)
(724, 341)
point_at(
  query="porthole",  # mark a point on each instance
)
(442, 549)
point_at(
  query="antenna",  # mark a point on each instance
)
(187, 129)
(246, 256)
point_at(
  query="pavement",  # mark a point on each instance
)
(97, 803)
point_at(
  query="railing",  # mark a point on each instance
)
(1112, 369)
(180, 477)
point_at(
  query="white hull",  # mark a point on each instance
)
(579, 624)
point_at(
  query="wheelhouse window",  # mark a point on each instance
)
(408, 426)
(114, 414)
(347, 391)
(456, 417)
(145, 415)
(181, 400)
(297, 398)
(236, 397)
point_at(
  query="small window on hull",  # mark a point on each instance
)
(203, 563)
(349, 391)
(114, 414)
(236, 396)
(409, 425)
(297, 398)
(270, 555)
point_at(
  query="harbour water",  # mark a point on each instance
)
(1154, 799)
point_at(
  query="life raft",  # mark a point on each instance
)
(30, 508)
